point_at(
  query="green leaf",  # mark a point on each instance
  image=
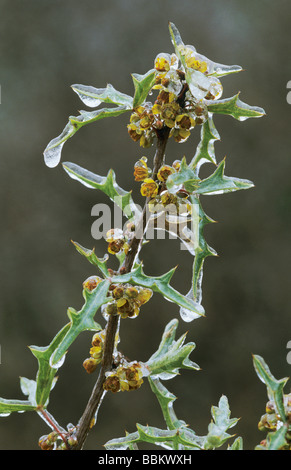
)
(235, 108)
(177, 43)
(179, 439)
(161, 285)
(274, 387)
(45, 378)
(142, 86)
(185, 177)
(205, 149)
(93, 259)
(166, 400)
(53, 151)
(92, 96)
(106, 184)
(217, 434)
(218, 183)
(10, 406)
(171, 355)
(236, 445)
(82, 320)
(202, 251)
(276, 440)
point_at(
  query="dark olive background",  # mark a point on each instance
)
(45, 47)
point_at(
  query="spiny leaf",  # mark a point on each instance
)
(274, 387)
(92, 96)
(82, 320)
(235, 108)
(93, 259)
(161, 285)
(202, 251)
(217, 434)
(237, 444)
(218, 183)
(166, 400)
(142, 85)
(182, 439)
(46, 374)
(276, 440)
(171, 355)
(106, 184)
(53, 151)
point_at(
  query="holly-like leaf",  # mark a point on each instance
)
(92, 96)
(217, 430)
(53, 151)
(46, 374)
(202, 251)
(277, 440)
(182, 439)
(82, 320)
(218, 183)
(274, 387)
(234, 107)
(161, 285)
(142, 86)
(171, 355)
(166, 400)
(106, 184)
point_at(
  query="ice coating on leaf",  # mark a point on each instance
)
(187, 315)
(58, 364)
(53, 151)
(216, 69)
(198, 83)
(92, 96)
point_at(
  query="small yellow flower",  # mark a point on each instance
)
(164, 172)
(141, 170)
(180, 135)
(91, 283)
(162, 64)
(144, 296)
(90, 364)
(185, 121)
(149, 188)
(112, 383)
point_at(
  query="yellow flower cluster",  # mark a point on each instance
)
(271, 421)
(127, 300)
(142, 124)
(125, 378)
(150, 188)
(96, 352)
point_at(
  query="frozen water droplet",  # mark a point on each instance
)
(52, 156)
(186, 314)
(58, 364)
(52, 153)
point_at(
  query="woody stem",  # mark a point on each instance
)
(86, 420)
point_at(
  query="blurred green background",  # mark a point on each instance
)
(45, 47)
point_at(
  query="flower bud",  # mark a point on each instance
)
(90, 364)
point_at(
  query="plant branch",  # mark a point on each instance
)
(85, 422)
